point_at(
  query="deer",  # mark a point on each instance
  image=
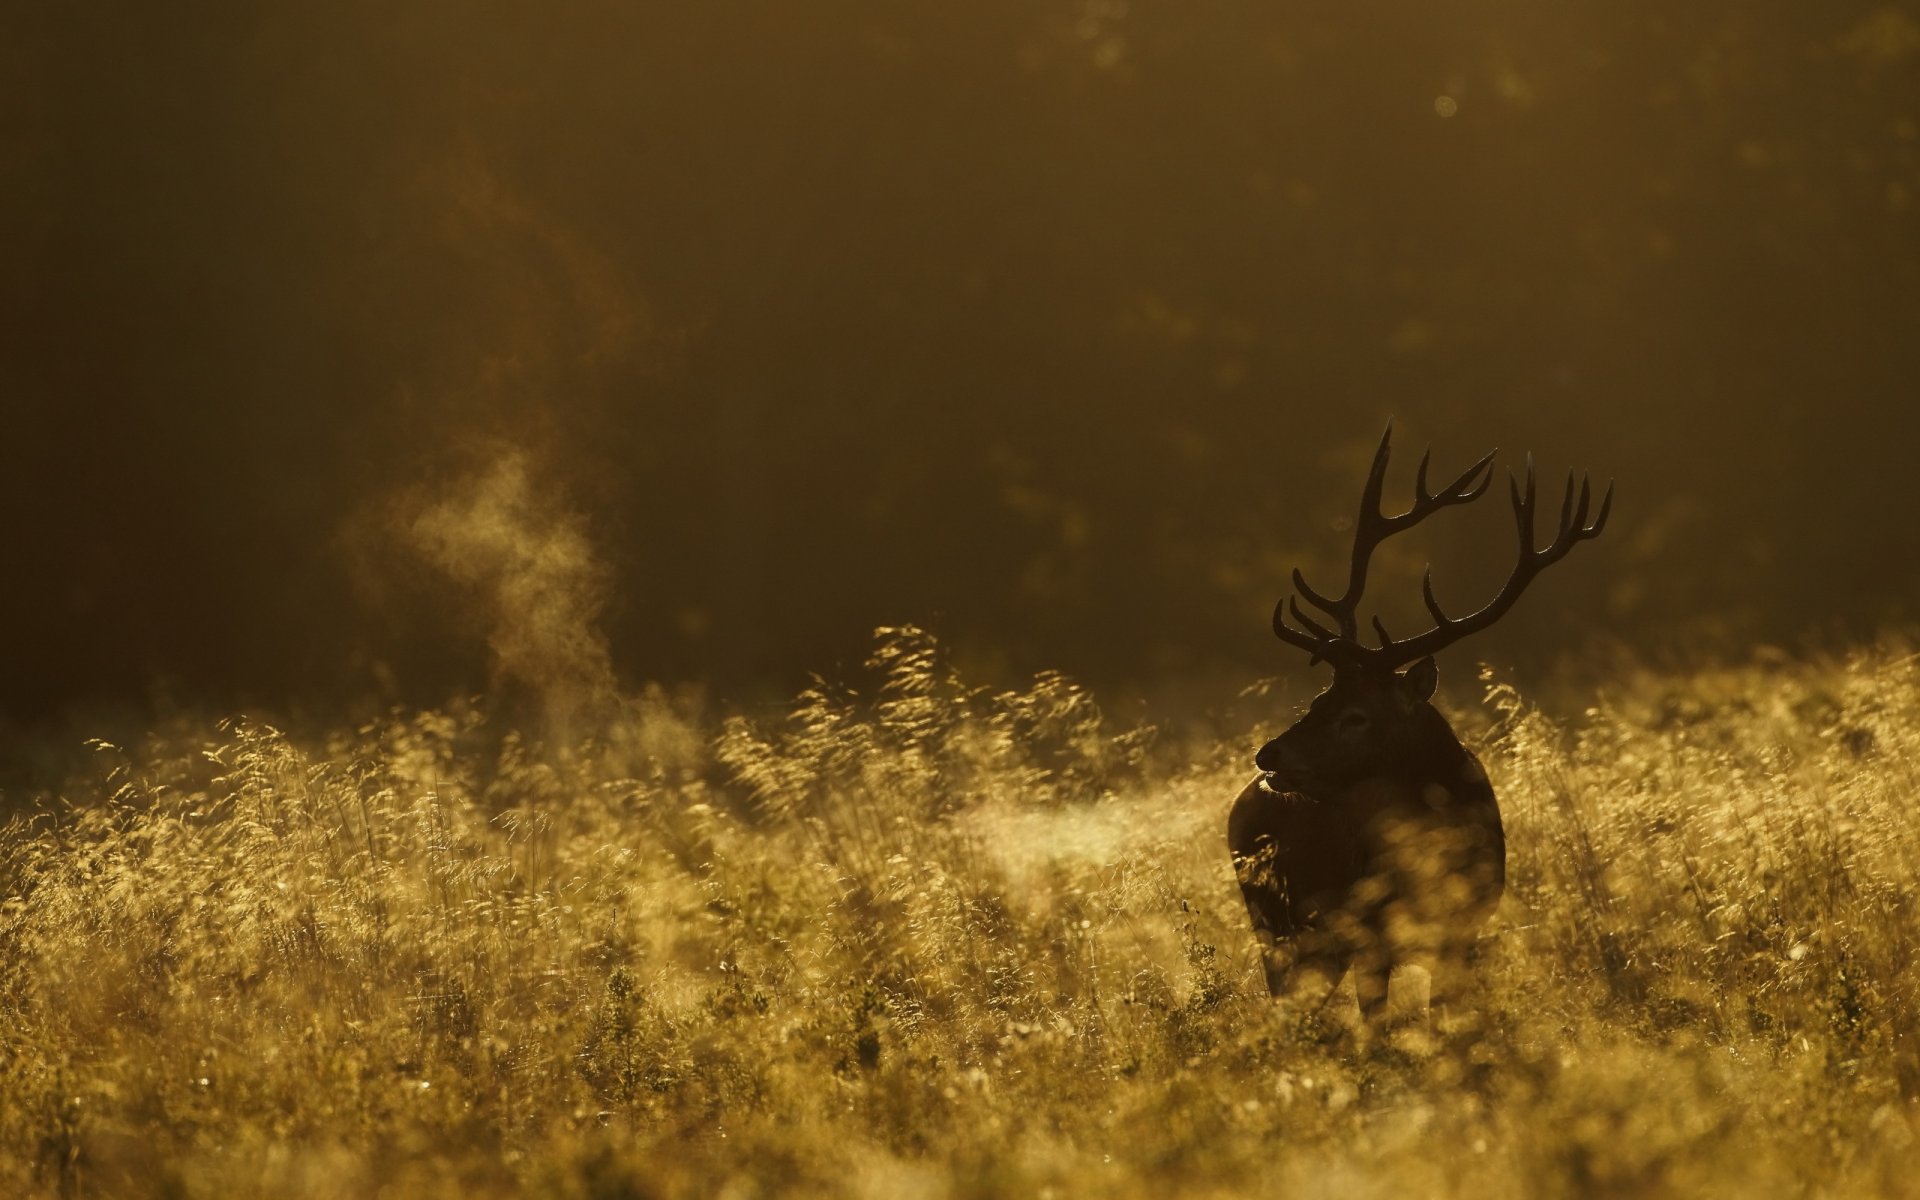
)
(1371, 837)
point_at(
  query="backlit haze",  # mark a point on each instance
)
(390, 349)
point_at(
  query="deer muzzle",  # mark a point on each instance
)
(1282, 768)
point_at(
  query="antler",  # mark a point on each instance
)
(1370, 528)
(1572, 528)
(1342, 646)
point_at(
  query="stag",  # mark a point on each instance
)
(1371, 837)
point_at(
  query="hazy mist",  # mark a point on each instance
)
(403, 347)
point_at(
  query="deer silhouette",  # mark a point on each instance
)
(1371, 837)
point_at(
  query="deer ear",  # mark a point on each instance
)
(1421, 678)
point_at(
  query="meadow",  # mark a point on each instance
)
(917, 938)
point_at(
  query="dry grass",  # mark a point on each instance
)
(941, 942)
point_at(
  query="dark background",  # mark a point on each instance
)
(1063, 327)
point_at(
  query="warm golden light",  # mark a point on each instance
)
(454, 459)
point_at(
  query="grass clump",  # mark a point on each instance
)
(936, 940)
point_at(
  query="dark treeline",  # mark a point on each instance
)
(1063, 328)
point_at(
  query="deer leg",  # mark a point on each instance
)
(1302, 976)
(1454, 992)
(1301, 969)
(1274, 962)
(1279, 963)
(1371, 973)
(1318, 977)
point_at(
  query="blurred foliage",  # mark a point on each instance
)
(878, 947)
(1061, 327)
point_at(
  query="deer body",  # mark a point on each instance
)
(1371, 837)
(1367, 863)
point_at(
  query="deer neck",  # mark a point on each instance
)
(1435, 756)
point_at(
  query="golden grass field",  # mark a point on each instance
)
(937, 941)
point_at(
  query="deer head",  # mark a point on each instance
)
(1376, 714)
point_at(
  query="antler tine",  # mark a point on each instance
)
(1440, 618)
(1523, 506)
(1316, 639)
(1308, 623)
(1330, 607)
(1463, 489)
(1377, 477)
(1386, 639)
(1292, 636)
(1600, 519)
